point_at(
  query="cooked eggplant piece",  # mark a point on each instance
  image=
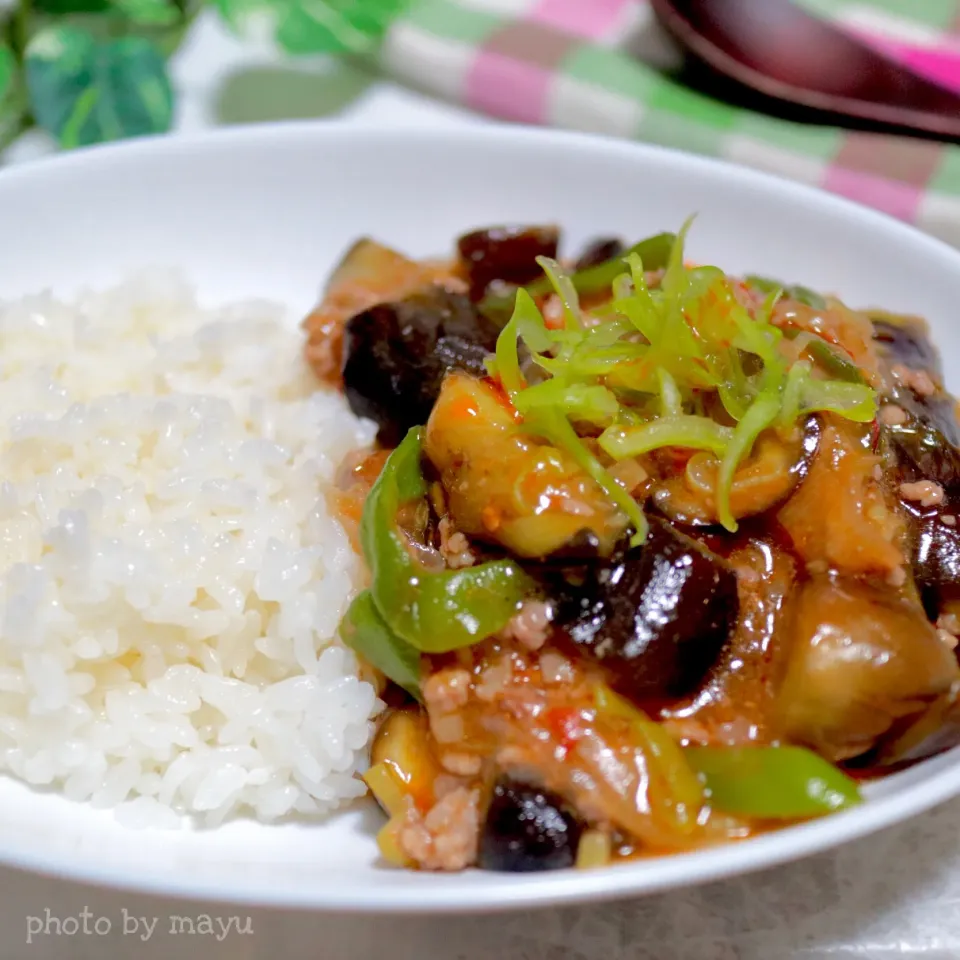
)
(935, 556)
(905, 340)
(367, 262)
(863, 663)
(396, 355)
(369, 273)
(936, 731)
(923, 444)
(503, 486)
(527, 829)
(599, 251)
(655, 618)
(505, 253)
(842, 516)
(764, 480)
(925, 447)
(402, 762)
(926, 441)
(923, 452)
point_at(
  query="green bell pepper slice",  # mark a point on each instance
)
(365, 631)
(832, 359)
(794, 291)
(433, 612)
(683, 793)
(772, 783)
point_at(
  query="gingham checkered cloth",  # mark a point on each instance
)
(603, 66)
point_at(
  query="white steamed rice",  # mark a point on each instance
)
(170, 577)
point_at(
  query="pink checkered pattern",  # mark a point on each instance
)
(592, 20)
(604, 66)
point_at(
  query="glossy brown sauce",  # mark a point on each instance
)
(531, 708)
(736, 705)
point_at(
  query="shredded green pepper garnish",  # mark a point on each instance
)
(639, 368)
(682, 430)
(591, 280)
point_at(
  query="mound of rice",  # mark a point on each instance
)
(170, 577)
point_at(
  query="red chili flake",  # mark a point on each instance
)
(875, 435)
(501, 396)
(566, 725)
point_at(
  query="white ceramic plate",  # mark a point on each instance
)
(265, 211)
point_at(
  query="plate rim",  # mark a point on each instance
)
(510, 892)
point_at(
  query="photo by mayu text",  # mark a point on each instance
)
(86, 923)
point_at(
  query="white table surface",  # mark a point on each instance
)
(894, 895)
(221, 80)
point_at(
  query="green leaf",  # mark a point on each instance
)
(336, 26)
(8, 71)
(60, 7)
(159, 13)
(86, 91)
(14, 113)
(236, 13)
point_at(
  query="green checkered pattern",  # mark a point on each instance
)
(566, 63)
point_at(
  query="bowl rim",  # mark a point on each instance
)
(511, 892)
(426, 134)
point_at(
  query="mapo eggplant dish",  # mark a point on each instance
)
(659, 557)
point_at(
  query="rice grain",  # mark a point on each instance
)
(170, 576)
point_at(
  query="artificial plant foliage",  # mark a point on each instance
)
(88, 71)
(333, 26)
(152, 12)
(8, 69)
(85, 90)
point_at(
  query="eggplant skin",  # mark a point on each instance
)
(527, 829)
(862, 662)
(505, 253)
(933, 546)
(599, 251)
(769, 477)
(926, 444)
(935, 558)
(907, 343)
(395, 356)
(925, 447)
(655, 618)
